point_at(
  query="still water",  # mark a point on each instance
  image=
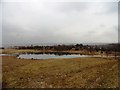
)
(49, 56)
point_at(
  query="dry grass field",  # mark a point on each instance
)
(12, 51)
(60, 73)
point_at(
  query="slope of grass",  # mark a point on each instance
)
(60, 73)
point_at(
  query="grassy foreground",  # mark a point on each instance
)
(60, 73)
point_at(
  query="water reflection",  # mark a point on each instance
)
(49, 55)
(55, 53)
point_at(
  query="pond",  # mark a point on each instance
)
(49, 56)
(2, 54)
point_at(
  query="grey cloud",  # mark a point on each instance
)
(102, 25)
(67, 22)
(112, 7)
(72, 6)
(107, 8)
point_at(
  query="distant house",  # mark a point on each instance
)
(73, 49)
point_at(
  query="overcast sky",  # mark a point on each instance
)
(29, 22)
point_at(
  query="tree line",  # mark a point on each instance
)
(76, 47)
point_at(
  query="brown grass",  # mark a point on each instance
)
(60, 73)
(12, 51)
